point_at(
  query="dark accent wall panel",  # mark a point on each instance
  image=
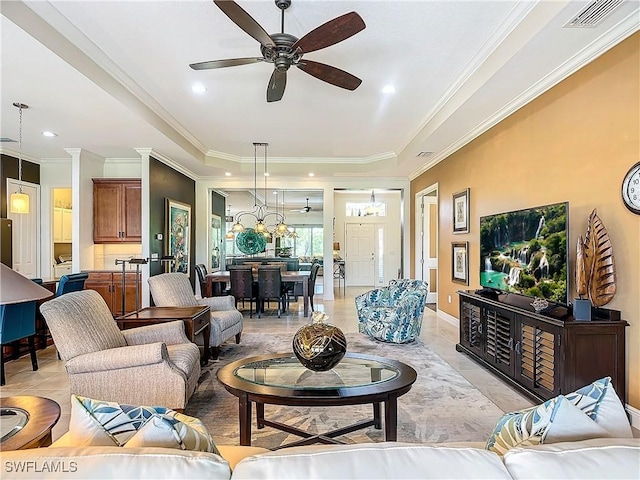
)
(9, 169)
(165, 182)
(218, 205)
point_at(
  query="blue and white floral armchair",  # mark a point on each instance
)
(394, 313)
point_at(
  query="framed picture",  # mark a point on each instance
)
(460, 262)
(179, 235)
(216, 242)
(461, 212)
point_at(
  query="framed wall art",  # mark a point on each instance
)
(460, 262)
(178, 235)
(216, 242)
(461, 212)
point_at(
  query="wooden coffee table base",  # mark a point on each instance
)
(390, 431)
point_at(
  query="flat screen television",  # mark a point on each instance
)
(525, 251)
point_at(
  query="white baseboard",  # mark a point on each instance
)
(448, 318)
(634, 413)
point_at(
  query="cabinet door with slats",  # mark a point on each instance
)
(537, 347)
(499, 342)
(471, 327)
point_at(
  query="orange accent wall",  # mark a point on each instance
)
(574, 143)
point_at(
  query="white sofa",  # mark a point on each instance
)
(596, 458)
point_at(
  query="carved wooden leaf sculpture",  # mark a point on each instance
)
(581, 275)
(599, 264)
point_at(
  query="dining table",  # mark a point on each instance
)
(297, 276)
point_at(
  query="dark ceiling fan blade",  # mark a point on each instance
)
(330, 33)
(231, 62)
(330, 74)
(245, 21)
(278, 81)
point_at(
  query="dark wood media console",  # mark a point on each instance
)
(541, 355)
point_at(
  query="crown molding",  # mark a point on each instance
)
(622, 30)
(212, 154)
(167, 161)
(15, 153)
(128, 161)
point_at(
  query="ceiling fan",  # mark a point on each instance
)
(306, 209)
(284, 50)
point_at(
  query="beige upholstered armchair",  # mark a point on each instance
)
(151, 365)
(174, 290)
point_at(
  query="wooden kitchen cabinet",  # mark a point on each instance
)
(117, 210)
(109, 286)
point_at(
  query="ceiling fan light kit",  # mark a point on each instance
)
(283, 49)
(305, 209)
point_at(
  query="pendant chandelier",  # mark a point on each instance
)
(261, 213)
(229, 235)
(18, 201)
(373, 208)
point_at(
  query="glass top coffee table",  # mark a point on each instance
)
(280, 379)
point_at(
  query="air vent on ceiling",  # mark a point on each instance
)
(594, 13)
(7, 139)
(424, 154)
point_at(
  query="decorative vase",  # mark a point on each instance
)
(319, 346)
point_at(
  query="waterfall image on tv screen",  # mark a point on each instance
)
(526, 252)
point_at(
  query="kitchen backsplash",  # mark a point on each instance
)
(105, 255)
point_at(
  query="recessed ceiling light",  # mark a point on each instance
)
(389, 89)
(47, 133)
(227, 174)
(266, 174)
(198, 88)
(311, 174)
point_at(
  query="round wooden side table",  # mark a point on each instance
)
(26, 422)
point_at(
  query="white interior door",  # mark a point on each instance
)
(428, 242)
(26, 230)
(360, 254)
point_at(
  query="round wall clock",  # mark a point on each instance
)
(250, 242)
(631, 189)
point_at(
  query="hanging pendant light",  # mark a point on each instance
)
(373, 208)
(229, 235)
(282, 229)
(259, 212)
(19, 202)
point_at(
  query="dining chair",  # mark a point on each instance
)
(18, 296)
(73, 282)
(270, 287)
(242, 286)
(18, 321)
(294, 289)
(201, 272)
(315, 268)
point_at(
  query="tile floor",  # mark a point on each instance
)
(51, 380)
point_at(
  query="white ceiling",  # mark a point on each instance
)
(113, 76)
